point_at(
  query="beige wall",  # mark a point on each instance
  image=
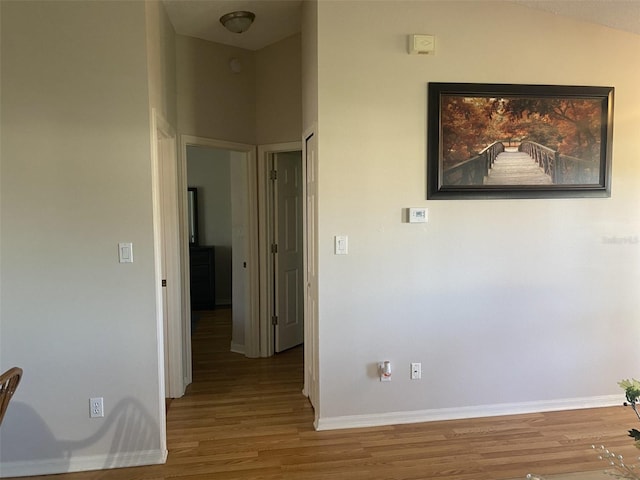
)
(76, 181)
(161, 61)
(278, 92)
(510, 305)
(213, 101)
(261, 104)
(309, 70)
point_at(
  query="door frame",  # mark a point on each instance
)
(252, 327)
(169, 367)
(265, 232)
(311, 387)
(258, 330)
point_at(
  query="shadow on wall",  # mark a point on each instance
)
(132, 429)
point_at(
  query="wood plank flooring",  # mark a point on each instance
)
(246, 419)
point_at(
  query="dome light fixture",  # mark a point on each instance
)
(237, 22)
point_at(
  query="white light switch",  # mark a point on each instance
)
(125, 252)
(341, 244)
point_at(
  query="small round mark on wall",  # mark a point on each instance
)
(235, 65)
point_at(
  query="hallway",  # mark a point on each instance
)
(253, 396)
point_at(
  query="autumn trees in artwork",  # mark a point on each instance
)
(571, 126)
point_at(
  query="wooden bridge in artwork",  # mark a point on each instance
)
(529, 163)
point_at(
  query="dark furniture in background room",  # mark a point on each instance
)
(202, 278)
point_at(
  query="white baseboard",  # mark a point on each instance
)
(418, 416)
(82, 463)
(237, 348)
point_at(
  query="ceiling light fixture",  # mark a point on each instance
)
(237, 22)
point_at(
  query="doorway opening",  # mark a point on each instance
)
(217, 214)
(253, 333)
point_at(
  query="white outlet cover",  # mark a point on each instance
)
(96, 407)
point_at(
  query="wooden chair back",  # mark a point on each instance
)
(9, 381)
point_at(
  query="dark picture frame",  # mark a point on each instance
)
(518, 141)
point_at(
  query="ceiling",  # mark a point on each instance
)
(275, 20)
(278, 19)
(618, 14)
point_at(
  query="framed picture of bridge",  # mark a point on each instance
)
(518, 141)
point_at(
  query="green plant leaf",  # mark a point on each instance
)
(631, 389)
(635, 434)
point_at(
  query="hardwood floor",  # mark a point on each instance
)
(247, 419)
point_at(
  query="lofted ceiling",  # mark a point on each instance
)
(618, 14)
(275, 20)
(278, 19)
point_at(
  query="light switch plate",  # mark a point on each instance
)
(125, 252)
(341, 245)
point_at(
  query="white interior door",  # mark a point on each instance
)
(288, 250)
(171, 281)
(167, 253)
(247, 235)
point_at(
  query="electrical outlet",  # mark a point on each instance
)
(96, 407)
(416, 371)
